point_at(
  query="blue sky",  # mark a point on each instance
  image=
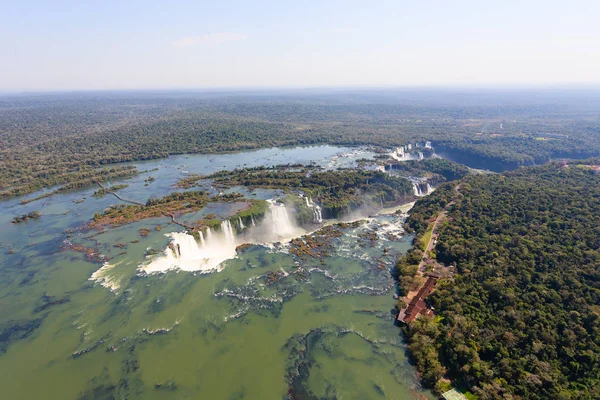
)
(66, 45)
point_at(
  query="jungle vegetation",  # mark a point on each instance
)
(53, 139)
(336, 191)
(86, 178)
(176, 204)
(521, 320)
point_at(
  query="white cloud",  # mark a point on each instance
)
(208, 39)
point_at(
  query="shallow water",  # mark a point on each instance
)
(323, 329)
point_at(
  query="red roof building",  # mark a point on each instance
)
(417, 304)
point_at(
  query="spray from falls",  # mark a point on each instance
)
(213, 248)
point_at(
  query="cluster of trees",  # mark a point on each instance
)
(50, 140)
(26, 217)
(336, 191)
(445, 170)
(84, 179)
(176, 202)
(102, 191)
(522, 317)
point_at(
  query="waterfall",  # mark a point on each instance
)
(421, 188)
(228, 231)
(420, 156)
(281, 224)
(253, 223)
(186, 254)
(416, 189)
(428, 144)
(213, 248)
(241, 223)
(318, 214)
(316, 210)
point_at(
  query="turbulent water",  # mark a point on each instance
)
(135, 317)
(208, 254)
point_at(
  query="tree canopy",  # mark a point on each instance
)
(522, 317)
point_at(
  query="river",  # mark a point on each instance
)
(94, 328)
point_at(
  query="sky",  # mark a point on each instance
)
(102, 45)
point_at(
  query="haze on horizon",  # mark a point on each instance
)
(68, 45)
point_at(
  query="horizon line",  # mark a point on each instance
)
(267, 88)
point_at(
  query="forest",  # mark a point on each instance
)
(521, 319)
(48, 140)
(337, 192)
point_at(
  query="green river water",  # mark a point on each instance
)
(324, 334)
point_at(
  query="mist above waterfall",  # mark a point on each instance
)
(214, 247)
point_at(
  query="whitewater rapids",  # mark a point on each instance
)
(186, 254)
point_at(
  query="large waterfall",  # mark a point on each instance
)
(188, 255)
(207, 254)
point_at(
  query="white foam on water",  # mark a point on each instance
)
(103, 277)
(193, 256)
(186, 254)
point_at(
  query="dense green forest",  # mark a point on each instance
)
(48, 140)
(521, 319)
(338, 192)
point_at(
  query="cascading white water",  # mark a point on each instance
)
(252, 219)
(192, 256)
(241, 223)
(428, 144)
(228, 232)
(186, 254)
(420, 156)
(421, 188)
(318, 214)
(316, 210)
(416, 189)
(279, 220)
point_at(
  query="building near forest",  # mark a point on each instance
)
(417, 305)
